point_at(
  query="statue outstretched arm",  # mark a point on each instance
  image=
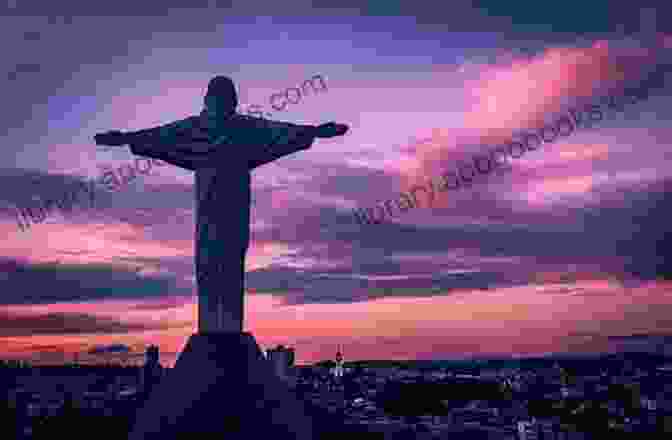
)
(291, 138)
(299, 139)
(168, 134)
(171, 133)
(181, 143)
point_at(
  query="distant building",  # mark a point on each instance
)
(152, 354)
(338, 369)
(527, 430)
(282, 359)
(649, 403)
(152, 371)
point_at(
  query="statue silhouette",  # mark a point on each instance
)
(222, 147)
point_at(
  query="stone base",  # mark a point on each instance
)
(222, 387)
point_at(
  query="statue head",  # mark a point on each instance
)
(221, 97)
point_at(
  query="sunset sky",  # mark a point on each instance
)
(561, 253)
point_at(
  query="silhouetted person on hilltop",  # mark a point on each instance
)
(222, 147)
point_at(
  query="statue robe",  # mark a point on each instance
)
(222, 150)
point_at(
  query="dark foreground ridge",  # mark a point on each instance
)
(221, 387)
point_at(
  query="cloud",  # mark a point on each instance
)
(501, 243)
(19, 187)
(482, 16)
(338, 286)
(337, 260)
(142, 202)
(523, 94)
(639, 230)
(164, 303)
(44, 283)
(641, 337)
(659, 343)
(16, 324)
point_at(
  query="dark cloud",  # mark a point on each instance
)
(22, 69)
(163, 304)
(638, 229)
(575, 18)
(24, 324)
(25, 283)
(140, 203)
(625, 233)
(32, 35)
(641, 337)
(658, 343)
(19, 186)
(371, 280)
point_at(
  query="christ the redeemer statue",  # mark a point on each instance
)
(222, 147)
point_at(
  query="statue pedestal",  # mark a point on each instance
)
(222, 387)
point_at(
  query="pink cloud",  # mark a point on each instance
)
(527, 319)
(508, 97)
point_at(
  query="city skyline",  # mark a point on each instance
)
(564, 253)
